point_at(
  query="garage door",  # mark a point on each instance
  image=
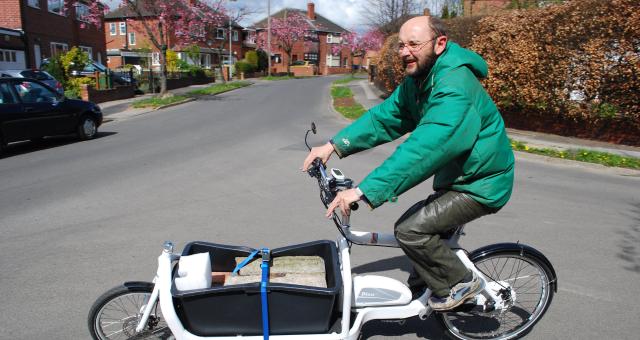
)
(12, 59)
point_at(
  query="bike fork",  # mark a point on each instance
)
(151, 302)
(487, 293)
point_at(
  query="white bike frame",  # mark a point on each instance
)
(417, 307)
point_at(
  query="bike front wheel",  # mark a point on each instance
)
(522, 280)
(116, 313)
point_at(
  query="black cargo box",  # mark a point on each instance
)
(236, 310)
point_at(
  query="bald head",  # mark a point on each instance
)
(421, 40)
(424, 26)
(418, 28)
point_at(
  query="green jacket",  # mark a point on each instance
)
(457, 134)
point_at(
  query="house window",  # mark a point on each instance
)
(344, 62)
(112, 28)
(123, 28)
(132, 38)
(56, 6)
(82, 11)
(333, 39)
(235, 35)
(276, 58)
(220, 33)
(333, 61)
(88, 50)
(34, 3)
(8, 56)
(311, 57)
(58, 48)
(155, 58)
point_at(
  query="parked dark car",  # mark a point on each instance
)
(40, 75)
(31, 110)
(117, 78)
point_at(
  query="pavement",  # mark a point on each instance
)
(368, 95)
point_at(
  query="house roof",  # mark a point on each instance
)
(320, 24)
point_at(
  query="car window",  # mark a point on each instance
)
(6, 97)
(37, 75)
(31, 92)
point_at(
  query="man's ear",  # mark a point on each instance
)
(441, 44)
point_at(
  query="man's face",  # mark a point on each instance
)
(416, 49)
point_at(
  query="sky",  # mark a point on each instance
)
(345, 13)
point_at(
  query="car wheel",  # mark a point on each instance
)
(88, 128)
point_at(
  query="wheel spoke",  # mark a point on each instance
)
(522, 282)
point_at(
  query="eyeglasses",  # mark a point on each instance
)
(413, 46)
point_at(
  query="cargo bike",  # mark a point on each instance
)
(518, 286)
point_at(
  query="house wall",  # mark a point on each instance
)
(300, 48)
(10, 14)
(42, 27)
(120, 42)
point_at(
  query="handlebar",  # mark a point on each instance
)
(330, 186)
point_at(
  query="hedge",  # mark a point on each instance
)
(571, 68)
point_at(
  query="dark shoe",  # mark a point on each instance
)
(459, 294)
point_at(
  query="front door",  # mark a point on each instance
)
(37, 55)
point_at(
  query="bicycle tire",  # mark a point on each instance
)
(115, 314)
(508, 265)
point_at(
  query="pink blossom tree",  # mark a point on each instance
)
(286, 32)
(181, 21)
(93, 13)
(359, 44)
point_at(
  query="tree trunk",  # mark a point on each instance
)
(224, 81)
(163, 72)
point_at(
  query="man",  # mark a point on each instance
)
(457, 134)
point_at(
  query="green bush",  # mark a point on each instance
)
(72, 88)
(244, 67)
(55, 68)
(263, 60)
(74, 60)
(252, 58)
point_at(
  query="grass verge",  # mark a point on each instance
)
(157, 102)
(219, 88)
(581, 155)
(348, 107)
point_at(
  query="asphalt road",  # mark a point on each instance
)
(77, 218)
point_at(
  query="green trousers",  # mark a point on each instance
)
(420, 231)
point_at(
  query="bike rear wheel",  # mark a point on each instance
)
(522, 280)
(116, 313)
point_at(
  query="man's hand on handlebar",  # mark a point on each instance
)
(323, 152)
(343, 201)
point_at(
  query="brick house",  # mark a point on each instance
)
(47, 30)
(322, 35)
(127, 42)
(11, 49)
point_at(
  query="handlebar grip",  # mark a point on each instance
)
(354, 206)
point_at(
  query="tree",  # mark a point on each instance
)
(285, 33)
(388, 15)
(359, 44)
(186, 20)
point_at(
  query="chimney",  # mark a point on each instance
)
(426, 12)
(311, 12)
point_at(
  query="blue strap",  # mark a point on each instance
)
(266, 256)
(244, 263)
